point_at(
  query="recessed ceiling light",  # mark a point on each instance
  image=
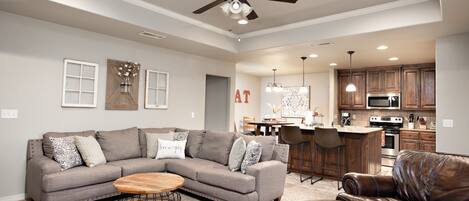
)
(313, 55)
(393, 59)
(242, 21)
(382, 47)
(332, 64)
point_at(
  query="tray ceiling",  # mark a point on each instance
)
(271, 14)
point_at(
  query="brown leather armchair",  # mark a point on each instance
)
(416, 176)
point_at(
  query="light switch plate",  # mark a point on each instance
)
(9, 114)
(448, 123)
(193, 115)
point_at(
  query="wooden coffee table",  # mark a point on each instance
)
(150, 186)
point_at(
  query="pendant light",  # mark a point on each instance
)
(303, 88)
(275, 87)
(350, 87)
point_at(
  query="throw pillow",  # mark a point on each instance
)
(237, 154)
(171, 149)
(152, 142)
(252, 156)
(119, 144)
(90, 150)
(216, 146)
(65, 152)
(143, 140)
(194, 142)
(181, 135)
(47, 144)
(267, 142)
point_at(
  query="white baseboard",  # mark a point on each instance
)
(17, 197)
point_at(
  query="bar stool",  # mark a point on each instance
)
(328, 139)
(291, 135)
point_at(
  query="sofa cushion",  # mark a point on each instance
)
(216, 146)
(139, 165)
(194, 142)
(80, 176)
(119, 144)
(152, 142)
(268, 145)
(47, 144)
(143, 140)
(189, 167)
(226, 179)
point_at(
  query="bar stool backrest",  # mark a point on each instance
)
(327, 137)
(291, 135)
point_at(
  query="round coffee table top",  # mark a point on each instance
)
(148, 183)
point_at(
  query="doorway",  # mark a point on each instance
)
(217, 95)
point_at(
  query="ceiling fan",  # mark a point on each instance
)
(236, 9)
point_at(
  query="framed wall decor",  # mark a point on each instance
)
(156, 89)
(122, 85)
(80, 84)
(295, 103)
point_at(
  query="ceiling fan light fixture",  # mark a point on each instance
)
(243, 21)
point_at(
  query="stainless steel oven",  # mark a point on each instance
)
(391, 144)
(389, 101)
(391, 127)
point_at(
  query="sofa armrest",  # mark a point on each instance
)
(270, 179)
(348, 197)
(369, 185)
(37, 167)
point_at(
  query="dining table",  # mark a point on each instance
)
(269, 125)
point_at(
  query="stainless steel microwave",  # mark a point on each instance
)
(387, 101)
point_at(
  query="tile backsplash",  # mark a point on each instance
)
(361, 117)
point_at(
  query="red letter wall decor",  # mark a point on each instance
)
(237, 96)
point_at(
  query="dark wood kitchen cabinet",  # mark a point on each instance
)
(352, 100)
(417, 141)
(427, 88)
(384, 80)
(418, 91)
(411, 88)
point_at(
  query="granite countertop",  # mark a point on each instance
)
(418, 130)
(346, 129)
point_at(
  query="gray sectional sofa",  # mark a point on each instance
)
(205, 177)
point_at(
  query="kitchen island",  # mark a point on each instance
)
(362, 152)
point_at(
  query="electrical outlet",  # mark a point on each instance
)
(448, 123)
(9, 114)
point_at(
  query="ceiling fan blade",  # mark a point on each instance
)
(252, 15)
(286, 1)
(208, 6)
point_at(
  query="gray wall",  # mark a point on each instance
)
(452, 73)
(32, 54)
(216, 103)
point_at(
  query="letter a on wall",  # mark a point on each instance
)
(237, 96)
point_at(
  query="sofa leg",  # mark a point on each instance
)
(278, 199)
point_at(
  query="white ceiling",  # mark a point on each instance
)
(271, 14)
(408, 27)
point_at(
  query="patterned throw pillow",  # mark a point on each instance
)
(65, 152)
(181, 136)
(252, 156)
(237, 154)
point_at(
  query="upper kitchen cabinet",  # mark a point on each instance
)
(352, 100)
(411, 88)
(384, 80)
(418, 89)
(427, 88)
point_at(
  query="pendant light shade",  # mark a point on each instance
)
(275, 87)
(303, 88)
(350, 87)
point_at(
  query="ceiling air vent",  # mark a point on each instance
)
(152, 35)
